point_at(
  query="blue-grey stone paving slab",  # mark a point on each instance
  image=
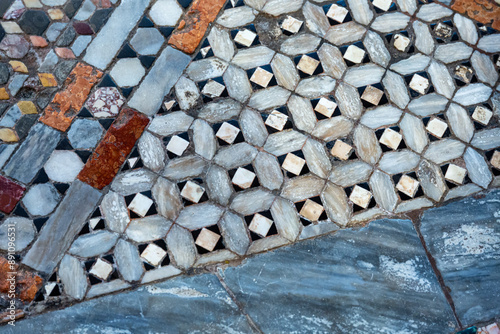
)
(33, 153)
(464, 238)
(374, 280)
(196, 304)
(62, 227)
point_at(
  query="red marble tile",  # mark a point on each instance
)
(193, 26)
(67, 103)
(110, 154)
(10, 194)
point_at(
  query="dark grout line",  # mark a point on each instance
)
(416, 220)
(231, 294)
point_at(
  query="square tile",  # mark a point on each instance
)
(192, 191)
(213, 89)
(372, 95)
(261, 77)
(177, 145)
(407, 185)
(308, 64)
(243, 178)
(495, 160)
(293, 164)
(382, 4)
(260, 225)
(291, 24)
(337, 13)
(482, 115)
(227, 133)
(311, 210)
(464, 73)
(325, 107)
(341, 150)
(207, 239)
(419, 84)
(245, 37)
(401, 42)
(360, 196)
(354, 54)
(391, 138)
(437, 127)
(277, 120)
(443, 30)
(140, 204)
(153, 254)
(101, 269)
(455, 174)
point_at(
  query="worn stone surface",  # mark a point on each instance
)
(10, 194)
(484, 11)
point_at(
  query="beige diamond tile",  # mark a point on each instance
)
(341, 150)
(354, 54)
(101, 269)
(455, 173)
(177, 145)
(337, 13)
(308, 64)
(382, 4)
(243, 178)
(360, 196)
(277, 120)
(207, 239)
(140, 204)
(391, 138)
(245, 37)
(261, 77)
(153, 254)
(227, 133)
(482, 115)
(407, 185)
(401, 42)
(260, 225)
(293, 164)
(213, 89)
(372, 95)
(291, 24)
(419, 84)
(311, 210)
(192, 191)
(325, 107)
(495, 160)
(437, 127)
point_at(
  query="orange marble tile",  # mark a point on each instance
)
(27, 283)
(67, 103)
(484, 11)
(193, 26)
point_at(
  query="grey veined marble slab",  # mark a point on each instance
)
(374, 280)
(464, 238)
(183, 305)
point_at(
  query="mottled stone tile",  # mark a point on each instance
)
(116, 145)
(10, 194)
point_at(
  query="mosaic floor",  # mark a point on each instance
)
(146, 139)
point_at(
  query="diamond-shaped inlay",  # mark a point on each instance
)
(227, 132)
(207, 239)
(354, 54)
(308, 64)
(455, 174)
(311, 210)
(495, 160)
(419, 84)
(245, 37)
(325, 107)
(382, 4)
(401, 42)
(260, 225)
(341, 150)
(291, 25)
(177, 145)
(213, 89)
(372, 95)
(101, 269)
(153, 254)
(407, 185)
(192, 191)
(437, 127)
(391, 138)
(243, 178)
(140, 204)
(337, 13)
(276, 120)
(360, 196)
(293, 164)
(261, 77)
(482, 115)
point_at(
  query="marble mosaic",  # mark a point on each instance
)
(141, 139)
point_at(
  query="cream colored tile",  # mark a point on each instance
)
(325, 107)
(213, 89)
(153, 254)
(11, 27)
(192, 191)
(140, 204)
(354, 54)
(372, 95)
(401, 42)
(311, 210)
(101, 269)
(308, 64)
(341, 150)
(177, 145)
(437, 127)
(419, 84)
(482, 115)
(261, 77)
(207, 239)
(260, 225)
(291, 24)
(243, 178)
(227, 133)
(391, 138)
(245, 37)
(360, 196)
(407, 185)
(382, 4)
(455, 174)
(337, 13)
(293, 164)
(495, 160)
(277, 120)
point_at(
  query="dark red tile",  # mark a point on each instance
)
(112, 151)
(10, 194)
